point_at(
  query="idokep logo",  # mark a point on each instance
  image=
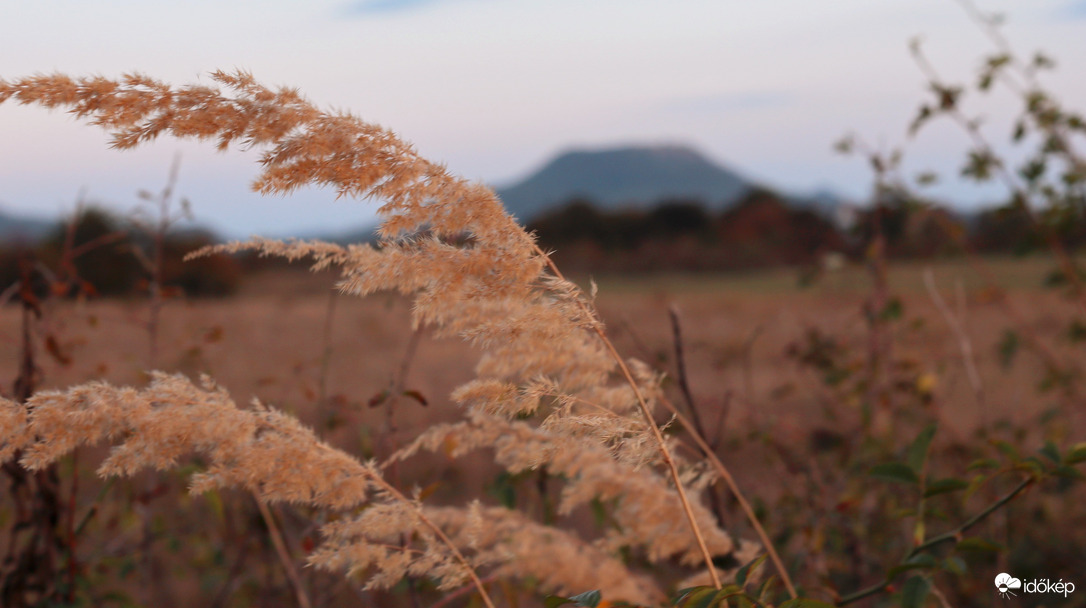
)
(1007, 584)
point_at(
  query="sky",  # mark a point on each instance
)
(495, 88)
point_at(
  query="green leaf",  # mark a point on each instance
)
(693, 594)
(742, 574)
(767, 586)
(1051, 452)
(804, 602)
(978, 544)
(895, 471)
(1076, 454)
(588, 599)
(1033, 466)
(955, 565)
(706, 596)
(504, 488)
(893, 310)
(922, 561)
(918, 450)
(1068, 472)
(915, 592)
(942, 486)
(983, 463)
(1008, 450)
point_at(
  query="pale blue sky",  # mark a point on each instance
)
(493, 88)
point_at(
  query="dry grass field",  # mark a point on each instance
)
(290, 340)
(279, 341)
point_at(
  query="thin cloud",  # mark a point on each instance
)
(374, 7)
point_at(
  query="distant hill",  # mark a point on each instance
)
(17, 228)
(635, 176)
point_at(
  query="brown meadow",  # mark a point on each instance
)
(737, 359)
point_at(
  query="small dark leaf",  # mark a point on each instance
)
(1068, 472)
(1043, 62)
(998, 61)
(895, 471)
(893, 310)
(927, 178)
(978, 544)
(53, 348)
(379, 398)
(428, 491)
(979, 165)
(1033, 170)
(915, 592)
(1051, 452)
(918, 449)
(955, 565)
(1007, 449)
(922, 117)
(1019, 131)
(588, 599)
(943, 486)
(804, 602)
(696, 597)
(1008, 347)
(742, 574)
(983, 463)
(947, 96)
(1076, 454)
(923, 561)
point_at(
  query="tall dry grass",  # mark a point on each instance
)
(552, 393)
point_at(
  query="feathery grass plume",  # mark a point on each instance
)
(648, 512)
(14, 433)
(560, 560)
(472, 271)
(513, 545)
(262, 450)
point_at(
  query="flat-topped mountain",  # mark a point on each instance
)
(633, 176)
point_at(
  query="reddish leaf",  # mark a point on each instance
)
(171, 292)
(87, 289)
(417, 396)
(379, 398)
(214, 334)
(53, 348)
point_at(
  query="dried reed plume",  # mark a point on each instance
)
(551, 391)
